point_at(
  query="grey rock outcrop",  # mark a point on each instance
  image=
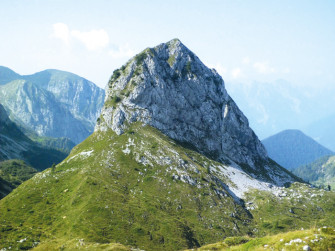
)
(169, 88)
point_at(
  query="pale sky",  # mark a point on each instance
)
(244, 40)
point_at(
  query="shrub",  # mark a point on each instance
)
(237, 240)
(139, 58)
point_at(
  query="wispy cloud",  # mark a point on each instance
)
(62, 32)
(263, 67)
(93, 39)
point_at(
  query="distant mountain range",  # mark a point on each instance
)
(52, 103)
(16, 145)
(272, 107)
(292, 148)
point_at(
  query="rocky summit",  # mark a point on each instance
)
(169, 88)
(172, 164)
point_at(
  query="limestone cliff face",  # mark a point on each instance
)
(14, 144)
(169, 88)
(52, 103)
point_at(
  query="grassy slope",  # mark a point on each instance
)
(320, 172)
(317, 239)
(15, 172)
(109, 197)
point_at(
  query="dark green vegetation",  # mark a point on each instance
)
(16, 145)
(64, 145)
(320, 172)
(108, 190)
(292, 148)
(12, 174)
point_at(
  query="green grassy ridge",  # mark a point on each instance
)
(298, 206)
(109, 197)
(12, 174)
(317, 239)
(128, 189)
(320, 172)
(78, 244)
(16, 171)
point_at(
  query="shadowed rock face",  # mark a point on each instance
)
(16, 145)
(169, 88)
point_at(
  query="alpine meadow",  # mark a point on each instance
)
(204, 125)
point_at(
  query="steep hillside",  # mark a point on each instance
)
(310, 239)
(16, 145)
(172, 164)
(53, 103)
(320, 172)
(292, 148)
(12, 174)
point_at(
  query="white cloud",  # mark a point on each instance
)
(246, 60)
(61, 31)
(93, 40)
(123, 51)
(236, 72)
(263, 67)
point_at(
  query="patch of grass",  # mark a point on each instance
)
(139, 58)
(172, 60)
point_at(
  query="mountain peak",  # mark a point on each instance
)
(292, 148)
(169, 88)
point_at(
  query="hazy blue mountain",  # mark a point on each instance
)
(53, 103)
(292, 148)
(80, 96)
(16, 145)
(7, 75)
